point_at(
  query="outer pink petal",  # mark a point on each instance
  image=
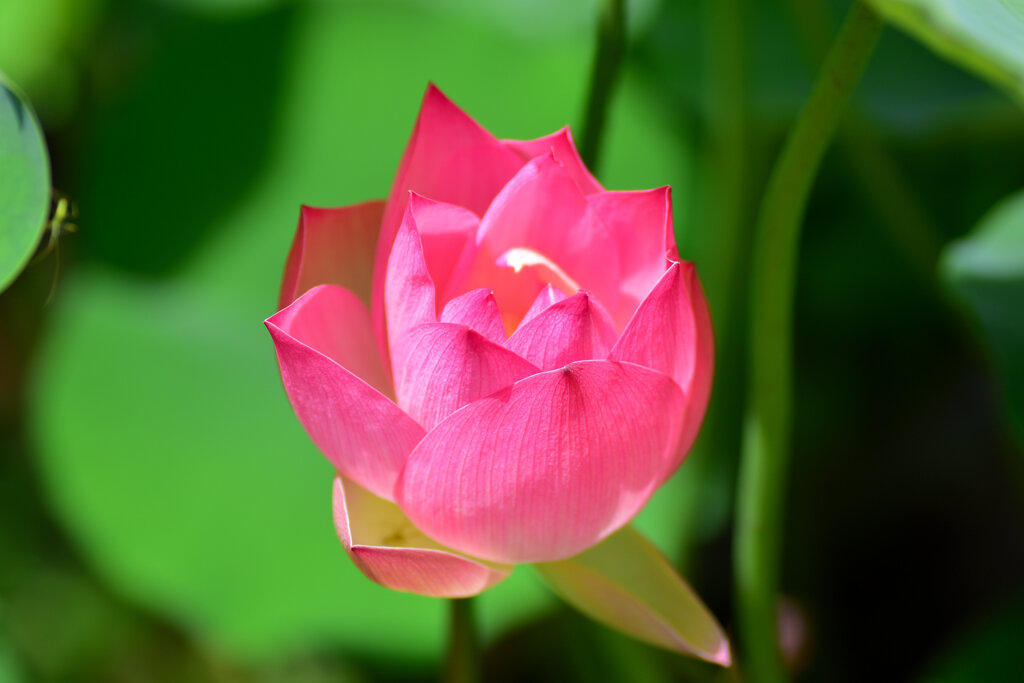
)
(334, 322)
(409, 299)
(671, 332)
(641, 223)
(627, 584)
(559, 143)
(548, 467)
(333, 246)
(360, 430)
(575, 329)
(542, 209)
(477, 310)
(449, 158)
(441, 367)
(448, 235)
(549, 295)
(388, 549)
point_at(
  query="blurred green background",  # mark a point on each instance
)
(163, 517)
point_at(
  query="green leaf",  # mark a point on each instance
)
(625, 583)
(989, 652)
(984, 36)
(24, 184)
(986, 271)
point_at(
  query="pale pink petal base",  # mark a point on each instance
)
(627, 584)
(549, 466)
(389, 550)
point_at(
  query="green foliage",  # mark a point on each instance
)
(986, 270)
(24, 183)
(40, 46)
(190, 485)
(985, 36)
(988, 653)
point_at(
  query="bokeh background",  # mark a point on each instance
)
(163, 517)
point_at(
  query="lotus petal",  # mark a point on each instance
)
(322, 341)
(561, 145)
(671, 332)
(410, 298)
(549, 295)
(477, 310)
(333, 246)
(389, 550)
(449, 158)
(543, 210)
(547, 467)
(627, 584)
(448, 235)
(641, 222)
(441, 367)
(577, 328)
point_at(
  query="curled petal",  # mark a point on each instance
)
(562, 146)
(362, 432)
(641, 223)
(389, 550)
(549, 295)
(333, 246)
(627, 584)
(577, 328)
(548, 467)
(449, 158)
(441, 367)
(671, 332)
(477, 310)
(543, 210)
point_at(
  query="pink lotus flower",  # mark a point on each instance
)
(503, 361)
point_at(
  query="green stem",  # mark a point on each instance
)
(910, 227)
(462, 665)
(611, 47)
(767, 429)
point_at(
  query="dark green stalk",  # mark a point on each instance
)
(767, 430)
(910, 227)
(462, 664)
(611, 48)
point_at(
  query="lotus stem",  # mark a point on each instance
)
(462, 664)
(766, 440)
(611, 47)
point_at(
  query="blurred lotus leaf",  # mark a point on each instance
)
(190, 486)
(981, 35)
(24, 183)
(986, 270)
